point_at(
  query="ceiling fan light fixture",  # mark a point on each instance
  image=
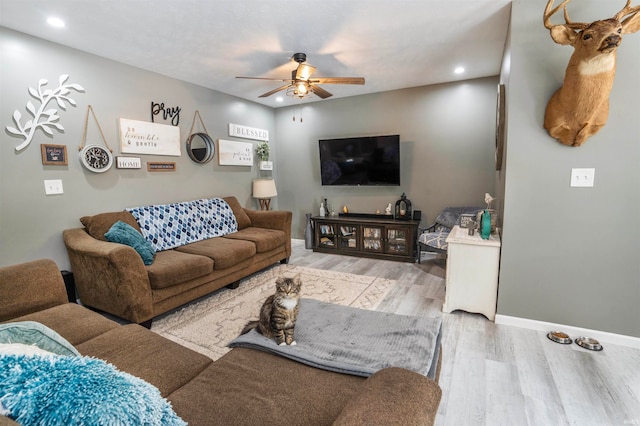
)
(299, 90)
(300, 85)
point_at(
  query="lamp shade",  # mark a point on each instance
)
(264, 188)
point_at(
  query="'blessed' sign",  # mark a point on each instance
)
(248, 132)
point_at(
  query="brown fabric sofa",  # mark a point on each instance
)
(244, 387)
(112, 277)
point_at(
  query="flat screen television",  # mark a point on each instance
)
(360, 161)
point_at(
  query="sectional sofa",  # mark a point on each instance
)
(244, 387)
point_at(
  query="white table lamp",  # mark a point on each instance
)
(264, 190)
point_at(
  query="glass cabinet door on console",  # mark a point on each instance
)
(375, 236)
(372, 239)
(398, 241)
(326, 236)
(348, 237)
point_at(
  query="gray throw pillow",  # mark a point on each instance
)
(35, 333)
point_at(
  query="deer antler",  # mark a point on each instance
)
(548, 12)
(626, 10)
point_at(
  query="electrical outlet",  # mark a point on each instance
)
(583, 177)
(53, 187)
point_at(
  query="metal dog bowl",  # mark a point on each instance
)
(559, 337)
(589, 343)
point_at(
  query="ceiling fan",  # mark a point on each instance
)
(301, 84)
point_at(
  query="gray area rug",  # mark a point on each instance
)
(356, 341)
(209, 324)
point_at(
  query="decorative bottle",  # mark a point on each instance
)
(322, 210)
(485, 225)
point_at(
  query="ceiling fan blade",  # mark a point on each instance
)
(266, 78)
(304, 71)
(320, 91)
(337, 80)
(274, 91)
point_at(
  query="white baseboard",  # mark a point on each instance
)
(601, 336)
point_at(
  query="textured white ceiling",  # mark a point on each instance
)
(392, 43)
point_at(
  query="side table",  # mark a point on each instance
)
(472, 273)
(70, 285)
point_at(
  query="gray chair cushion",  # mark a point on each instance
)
(450, 216)
(445, 221)
(434, 239)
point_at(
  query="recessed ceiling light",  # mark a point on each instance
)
(459, 70)
(279, 99)
(55, 22)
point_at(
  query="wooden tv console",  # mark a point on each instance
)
(358, 234)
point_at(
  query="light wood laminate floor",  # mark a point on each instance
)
(501, 375)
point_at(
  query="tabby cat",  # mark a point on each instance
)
(279, 312)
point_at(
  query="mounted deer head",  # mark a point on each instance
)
(581, 106)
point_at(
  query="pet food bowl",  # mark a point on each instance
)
(589, 343)
(559, 337)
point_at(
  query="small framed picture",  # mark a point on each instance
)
(500, 123)
(54, 155)
(161, 166)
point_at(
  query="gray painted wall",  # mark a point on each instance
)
(447, 144)
(31, 222)
(570, 255)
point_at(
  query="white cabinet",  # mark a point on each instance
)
(472, 273)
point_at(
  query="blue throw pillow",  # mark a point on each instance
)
(65, 390)
(124, 233)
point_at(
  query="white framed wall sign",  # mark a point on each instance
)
(232, 153)
(247, 132)
(128, 163)
(142, 137)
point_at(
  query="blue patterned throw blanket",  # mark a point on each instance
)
(167, 226)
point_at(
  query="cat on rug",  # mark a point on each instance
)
(279, 312)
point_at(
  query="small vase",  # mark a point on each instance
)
(485, 225)
(308, 233)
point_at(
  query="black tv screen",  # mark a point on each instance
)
(360, 161)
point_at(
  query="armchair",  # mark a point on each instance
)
(433, 238)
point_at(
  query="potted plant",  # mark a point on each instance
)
(262, 151)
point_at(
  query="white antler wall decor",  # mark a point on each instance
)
(45, 119)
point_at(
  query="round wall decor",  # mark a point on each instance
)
(200, 147)
(96, 158)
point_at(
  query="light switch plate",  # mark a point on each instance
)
(583, 177)
(53, 187)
